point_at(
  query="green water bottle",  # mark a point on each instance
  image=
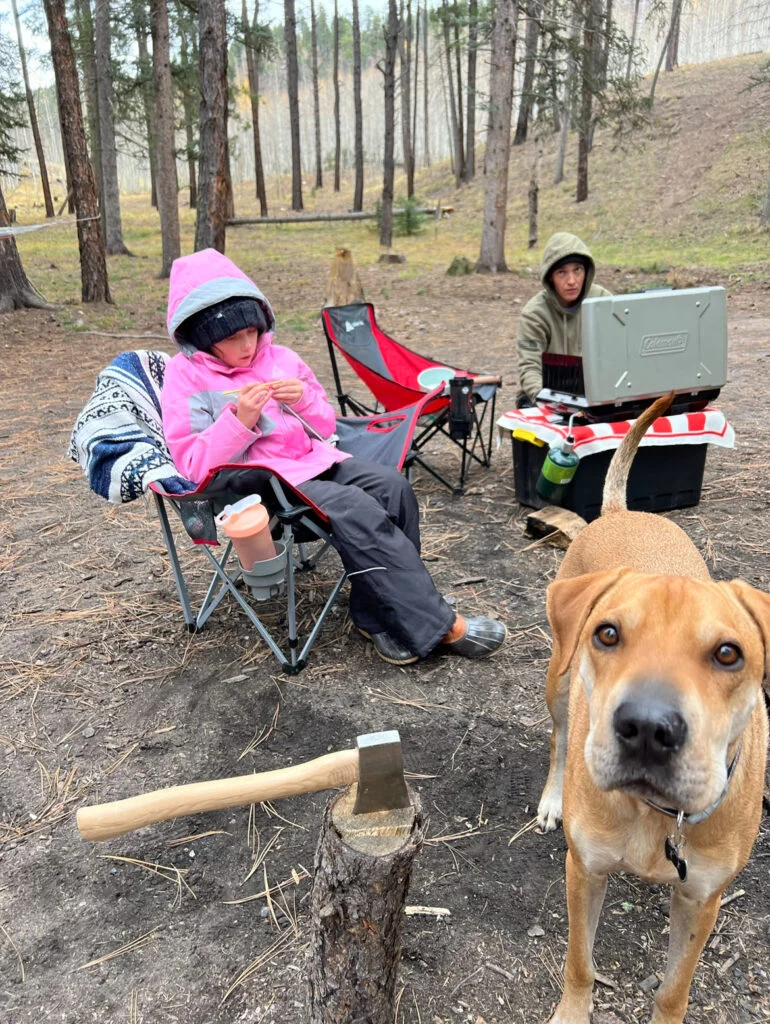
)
(560, 466)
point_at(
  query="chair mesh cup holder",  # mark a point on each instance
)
(460, 408)
(266, 579)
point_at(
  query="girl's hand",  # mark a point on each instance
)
(288, 391)
(251, 402)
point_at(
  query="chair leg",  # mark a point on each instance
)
(320, 621)
(229, 584)
(176, 568)
(222, 583)
(212, 601)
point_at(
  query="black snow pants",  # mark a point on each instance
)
(375, 527)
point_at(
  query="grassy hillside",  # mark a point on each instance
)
(684, 193)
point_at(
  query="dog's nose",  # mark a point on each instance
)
(649, 730)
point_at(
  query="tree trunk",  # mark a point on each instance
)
(336, 77)
(358, 133)
(764, 217)
(87, 57)
(164, 130)
(146, 91)
(460, 116)
(319, 178)
(188, 61)
(360, 885)
(212, 178)
(672, 50)
(442, 57)
(534, 189)
(292, 85)
(454, 129)
(607, 44)
(252, 67)
(416, 93)
(549, 68)
(470, 146)
(105, 92)
(566, 114)
(229, 192)
(405, 57)
(425, 90)
(586, 101)
(93, 262)
(69, 202)
(16, 291)
(530, 59)
(632, 43)
(49, 210)
(677, 4)
(598, 65)
(391, 44)
(492, 254)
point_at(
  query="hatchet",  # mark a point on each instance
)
(376, 765)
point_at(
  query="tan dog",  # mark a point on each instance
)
(659, 671)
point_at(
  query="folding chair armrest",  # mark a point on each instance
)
(292, 514)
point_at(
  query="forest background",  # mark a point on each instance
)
(333, 92)
(709, 31)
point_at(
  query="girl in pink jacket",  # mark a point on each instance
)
(229, 397)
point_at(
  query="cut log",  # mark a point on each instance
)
(363, 867)
(558, 525)
(344, 282)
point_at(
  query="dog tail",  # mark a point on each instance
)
(614, 494)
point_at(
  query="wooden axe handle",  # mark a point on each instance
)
(486, 378)
(104, 821)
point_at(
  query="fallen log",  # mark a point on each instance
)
(308, 218)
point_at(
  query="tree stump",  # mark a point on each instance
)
(363, 867)
(344, 282)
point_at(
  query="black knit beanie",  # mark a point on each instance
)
(574, 257)
(205, 329)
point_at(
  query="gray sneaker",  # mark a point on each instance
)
(482, 637)
(390, 649)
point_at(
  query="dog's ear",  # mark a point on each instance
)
(568, 604)
(757, 604)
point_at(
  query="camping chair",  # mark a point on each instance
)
(397, 376)
(118, 441)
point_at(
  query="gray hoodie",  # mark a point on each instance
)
(545, 325)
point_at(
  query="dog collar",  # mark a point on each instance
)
(695, 819)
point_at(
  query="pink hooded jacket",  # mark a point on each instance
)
(199, 424)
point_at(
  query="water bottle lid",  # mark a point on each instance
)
(244, 517)
(245, 523)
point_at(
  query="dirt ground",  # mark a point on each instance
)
(103, 695)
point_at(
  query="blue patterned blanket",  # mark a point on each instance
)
(118, 438)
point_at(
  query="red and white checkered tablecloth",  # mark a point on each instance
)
(706, 427)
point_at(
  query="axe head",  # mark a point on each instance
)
(381, 785)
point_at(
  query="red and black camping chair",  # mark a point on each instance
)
(463, 411)
(118, 441)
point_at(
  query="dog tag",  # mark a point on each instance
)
(672, 854)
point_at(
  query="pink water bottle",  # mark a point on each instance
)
(247, 524)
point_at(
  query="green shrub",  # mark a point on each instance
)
(410, 220)
(460, 266)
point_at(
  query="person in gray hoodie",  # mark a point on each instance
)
(551, 320)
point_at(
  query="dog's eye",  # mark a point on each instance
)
(729, 656)
(606, 635)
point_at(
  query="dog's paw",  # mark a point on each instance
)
(573, 1009)
(561, 1016)
(549, 812)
